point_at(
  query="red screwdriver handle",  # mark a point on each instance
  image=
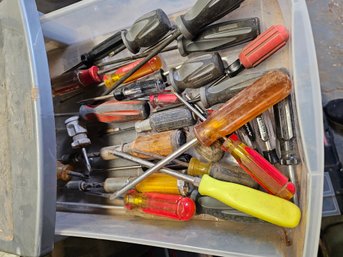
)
(163, 99)
(263, 172)
(263, 46)
(116, 111)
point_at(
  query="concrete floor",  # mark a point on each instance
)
(327, 26)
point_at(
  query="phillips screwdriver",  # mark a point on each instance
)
(215, 37)
(203, 13)
(265, 136)
(230, 173)
(167, 120)
(285, 132)
(144, 32)
(205, 69)
(258, 204)
(245, 106)
(80, 138)
(115, 111)
(163, 143)
(166, 205)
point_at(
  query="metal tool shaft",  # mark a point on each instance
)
(195, 111)
(155, 168)
(85, 156)
(150, 164)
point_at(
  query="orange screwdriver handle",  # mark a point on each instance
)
(263, 46)
(154, 64)
(270, 89)
(116, 111)
(263, 172)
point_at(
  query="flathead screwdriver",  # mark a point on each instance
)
(245, 106)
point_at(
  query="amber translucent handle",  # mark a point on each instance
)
(270, 89)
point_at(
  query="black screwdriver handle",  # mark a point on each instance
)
(197, 72)
(146, 31)
(203, 13)
(111, 44)
(220, 36)
(226, 89)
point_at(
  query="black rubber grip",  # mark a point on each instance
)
(146, 31)
(103, 49)
(221, 36)
(171, 119)
(226, 89)
(197, 72)
(203, 13)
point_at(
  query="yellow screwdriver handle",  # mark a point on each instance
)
(261, 205)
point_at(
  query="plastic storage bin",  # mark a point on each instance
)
(30, 86)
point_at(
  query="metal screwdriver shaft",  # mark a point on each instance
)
(155, 168)
(148, 164)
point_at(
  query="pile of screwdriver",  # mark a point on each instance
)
(208, 141)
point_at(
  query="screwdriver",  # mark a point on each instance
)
(215, 37)
(154, 64)
(221, 92)
(74, 80)
(163, 100)
(210, 206)
(245, 106)
(265, 134)
(64, 172)
(230, 173)
(115, 111)
(144, 32)
(163, 143)
(166, 205)
(167, 120)
(285, 132)
(203, 13)
(139, 89)
(270, 178)
(80, 138)
(258, 204)
(156, 183)
(205, 69)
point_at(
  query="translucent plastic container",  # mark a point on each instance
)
(222, 238)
